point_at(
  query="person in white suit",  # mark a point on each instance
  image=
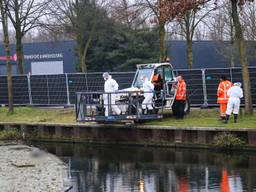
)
(235, 93)
(148, 89)
(110, 86)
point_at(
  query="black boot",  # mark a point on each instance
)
(235, 118)
(227, 118)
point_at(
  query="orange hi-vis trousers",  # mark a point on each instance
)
(223, 108)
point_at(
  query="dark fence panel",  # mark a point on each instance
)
(20, 90)
(39, 90)
(212, 81)
(194, 83)
(3, 90)
(124, 79)
(76, 83)
(57, 89)
(253, 84)
(95, 82)
(61, 89)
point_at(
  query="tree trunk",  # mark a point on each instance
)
(80, 50)
(8, 54)
(190, 53)
(19, 52)
(189, 32)
(232, 42)
(243, 58)
(82, 58)
(87, 45)
(162, 42)
(9, 78)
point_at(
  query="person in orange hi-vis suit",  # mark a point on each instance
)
(223, 87)
(181, 96)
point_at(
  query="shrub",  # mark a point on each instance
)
(10, 134)
(228, 141)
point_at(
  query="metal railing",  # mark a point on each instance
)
(61, 89)
(114, 106)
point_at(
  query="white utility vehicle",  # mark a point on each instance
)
(90, 105)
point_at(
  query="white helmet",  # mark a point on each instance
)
(105, 75)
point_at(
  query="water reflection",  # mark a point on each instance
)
(130, 169)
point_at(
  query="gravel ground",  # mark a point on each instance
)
(28, 169)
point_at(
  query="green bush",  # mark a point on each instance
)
(228, 141)
(10, 134)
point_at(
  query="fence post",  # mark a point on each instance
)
(86, 82)
(231, 74)
(48, 92)
(67, 89)
(29, 90)
(205, 104)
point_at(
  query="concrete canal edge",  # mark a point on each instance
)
(29, 164)
(145, 135)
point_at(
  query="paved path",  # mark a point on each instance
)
(27, 169)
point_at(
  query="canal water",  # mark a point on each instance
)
(143, 169)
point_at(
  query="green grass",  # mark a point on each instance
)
(206, 118)
(196, 118)
(35, 115)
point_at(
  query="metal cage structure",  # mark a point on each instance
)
(98, 107)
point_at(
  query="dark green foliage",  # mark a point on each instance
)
(120, 49)
(228, 141)
(104, 43)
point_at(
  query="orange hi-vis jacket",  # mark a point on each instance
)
(181, 91)
(156, 79)
(222, 91)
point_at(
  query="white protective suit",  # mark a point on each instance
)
(235, 93)
(148, 89)
(110, 86)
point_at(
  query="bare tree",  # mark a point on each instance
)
(239, 36)
(188, 24)
(223, 32)
(78, 19)
(201, 33)
(128, 13)
(24, 15)
(249, 22)
(164, 11)
(221, 24)
(4, 20)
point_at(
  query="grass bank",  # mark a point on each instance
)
(206, 118)
(37, 115)
(197, 118)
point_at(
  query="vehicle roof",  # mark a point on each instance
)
(153, 65)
